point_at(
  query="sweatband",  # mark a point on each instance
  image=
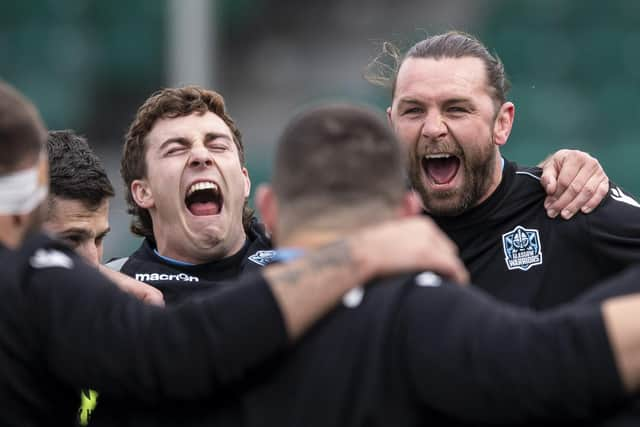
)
(20, 192)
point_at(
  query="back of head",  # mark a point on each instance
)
(76, 173)
(22, 132)
(337, 161)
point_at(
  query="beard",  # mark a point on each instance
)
(478, 168)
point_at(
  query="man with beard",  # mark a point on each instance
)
(450, 112)
(64, 326)
(412, 350)
(186, 187)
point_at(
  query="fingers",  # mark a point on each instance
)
(438, 253)
(140, 290)
(601, 192)
(153, 296)
(409, 245)
(453, 269)
(581, 184)
(550, 168)
(572, 192)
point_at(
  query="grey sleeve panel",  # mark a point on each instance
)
(116, 264)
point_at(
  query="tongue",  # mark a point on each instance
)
(204, 208)
(442, 171)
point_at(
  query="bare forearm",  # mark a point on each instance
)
(621, 320)
(307, 288)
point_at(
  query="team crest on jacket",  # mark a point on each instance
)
(262, 257)
(522, 248)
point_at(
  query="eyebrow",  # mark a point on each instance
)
(104, 233)
(81, 232)
(176, 139)
(408, 101)
(210, 136)
(457, 101)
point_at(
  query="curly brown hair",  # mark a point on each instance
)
(168, 103)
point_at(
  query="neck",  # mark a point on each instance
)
(192, 253)
(496, 178)
(318, 230)
(309, 239)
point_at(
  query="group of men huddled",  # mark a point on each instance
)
(348, 304)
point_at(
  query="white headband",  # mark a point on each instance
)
(20, 192)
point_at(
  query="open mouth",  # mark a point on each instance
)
(204, 198)
(441, 168)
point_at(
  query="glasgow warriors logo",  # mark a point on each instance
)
(262, 257)
(522, 248)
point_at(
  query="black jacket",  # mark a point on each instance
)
(519, 255)
(414, 351)
(63, 326)
(179, 282)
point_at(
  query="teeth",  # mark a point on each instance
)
(202, 185)
(438, 156)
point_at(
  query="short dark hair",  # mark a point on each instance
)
(168, 103)
(338, 156)
(453, 44)
(22, 132)
(75, 171)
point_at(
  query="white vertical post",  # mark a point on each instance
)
(191, 42)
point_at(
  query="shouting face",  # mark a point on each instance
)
(195, 188)
(444, 114)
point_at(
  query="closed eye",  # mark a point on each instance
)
(412, 110)
(174, 150)
(458, 109)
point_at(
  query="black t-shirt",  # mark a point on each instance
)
(179, 281)
(519, 255)
(416, 350)
(64, 326)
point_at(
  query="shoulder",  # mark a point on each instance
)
(618, 198)
(258, 235)
(52, 266)
(618, 213)
(525, 187)
(531, 174)
(42, 252)
(144, 254)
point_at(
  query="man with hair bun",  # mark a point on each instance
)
(414, 349)
(450, 111)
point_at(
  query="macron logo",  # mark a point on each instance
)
(156, 277)
(50, 258)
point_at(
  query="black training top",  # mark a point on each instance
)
(411, 351)
(518, 254)
(63, 326)
(180, 281)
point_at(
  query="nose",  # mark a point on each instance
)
(90, 252)
(434, 126)
(200, 156)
